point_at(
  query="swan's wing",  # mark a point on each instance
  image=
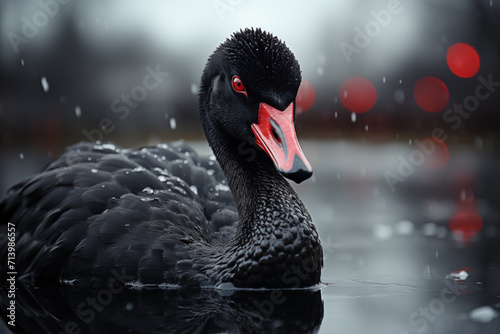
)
(99, 207)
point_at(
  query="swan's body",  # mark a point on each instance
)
(164, 215)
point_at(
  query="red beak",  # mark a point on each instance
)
(275, 134)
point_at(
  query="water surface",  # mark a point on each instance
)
(394, 261)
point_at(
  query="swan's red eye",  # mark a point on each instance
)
(238, 85)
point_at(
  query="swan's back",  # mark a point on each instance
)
(99, 208)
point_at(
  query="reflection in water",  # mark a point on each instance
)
(69, 310)
(467, 222)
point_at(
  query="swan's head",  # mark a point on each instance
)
(248, 91)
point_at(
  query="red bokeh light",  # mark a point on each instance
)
(466, 224)
(358, 94)
(431, 94)
(463, 60)
(305, 96)
(439, 156)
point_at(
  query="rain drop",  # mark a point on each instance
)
(45, 84)
(353, 117)
(21, 155)
(409, 141)
(335, 114)
(427, 273)
(320, 71)
(194, 89)
(400, 81)
(78, 111)
(366, 128)
(173, 124)
(22, 62)
(458, 275)
(383, 79)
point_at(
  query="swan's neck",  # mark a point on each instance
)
(276, 244)
(254, 181)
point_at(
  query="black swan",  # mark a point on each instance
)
(166, 216)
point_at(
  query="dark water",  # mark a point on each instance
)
(423, 258)
(67, 310)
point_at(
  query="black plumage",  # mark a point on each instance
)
(165, 215)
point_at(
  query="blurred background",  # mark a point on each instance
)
(75, 71)
(62, 64)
